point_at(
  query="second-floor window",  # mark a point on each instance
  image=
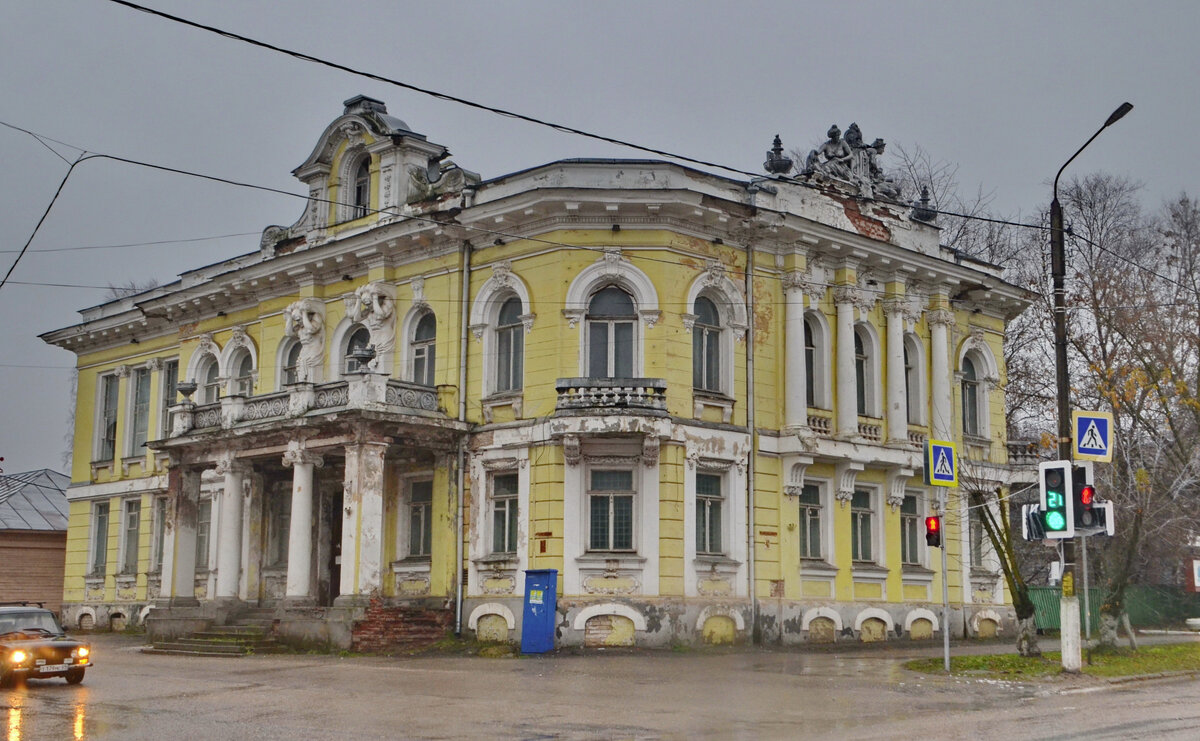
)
(510, 346)
(291, 359)
(970, 398)
(359, 339)
(170, 392)
(860, 373)
(109, 388)
(706, 347)
(243, 378)
(140, 422)
(423, 346)
(611, 321)
(210, 380)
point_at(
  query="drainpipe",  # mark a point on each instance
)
(756, 635)
(465, 273)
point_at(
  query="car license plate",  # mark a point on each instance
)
(53, 668)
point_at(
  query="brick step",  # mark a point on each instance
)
(181, 651)
(184, 646)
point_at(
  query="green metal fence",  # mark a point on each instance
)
(1148, 607)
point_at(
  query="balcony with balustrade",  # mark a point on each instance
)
(588, 396)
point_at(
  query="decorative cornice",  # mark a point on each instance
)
(499, 464)
(572, 450)
(650, 446)
(121, 371)
(940, 318)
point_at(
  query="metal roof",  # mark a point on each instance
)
(34, 500)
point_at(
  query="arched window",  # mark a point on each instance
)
(914, 380)
(510, 346)
(610, 334)
(210, 381)
(362, 189)
(810, 365)
(358, 339)
(291, 359)
(860, 372)
(706, 347)
(970, 398)
(424, 337)
(243, 374)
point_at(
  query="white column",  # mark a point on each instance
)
(847, 388)
(940, 380)
(300, 528)
(362, 520)
(795, 414)
(897, 398)
(229, 534)
(178, 585)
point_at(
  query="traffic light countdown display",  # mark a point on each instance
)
(1055, 481)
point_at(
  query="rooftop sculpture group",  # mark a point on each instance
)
(842, 161)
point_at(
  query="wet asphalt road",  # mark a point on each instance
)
(728, 694)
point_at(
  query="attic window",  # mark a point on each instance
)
(362, 189)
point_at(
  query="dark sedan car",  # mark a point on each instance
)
(34, 645)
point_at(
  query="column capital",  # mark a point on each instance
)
(940, 318)
(297, 455)
(227, 462)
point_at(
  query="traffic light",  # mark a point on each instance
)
(1083, 500)
(933, 532)
(1058, 512)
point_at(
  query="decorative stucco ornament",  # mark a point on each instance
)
(305, 321)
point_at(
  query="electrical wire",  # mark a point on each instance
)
(139, 244)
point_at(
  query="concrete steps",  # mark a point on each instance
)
(251, 634)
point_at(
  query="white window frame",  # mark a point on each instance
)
(513, 514)
(723, 499)
(823, 521)
(922, 510)
(131, 509)
(98, 542)
(168, 394)
(207, 389)
(485, 312)
(871, 403)
(426, 349)
(821, 366)
(158, 514)
(204, 554)
(404, 518)
(635, 505)
(877, 555)
(288, 374)
(612, 269)
(635, 340)
(131, 445)
(707, 334)
(101, 454)
(916, 394)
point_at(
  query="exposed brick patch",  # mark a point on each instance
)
(388, 629)
(863, 224)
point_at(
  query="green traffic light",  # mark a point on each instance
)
(1055, 521)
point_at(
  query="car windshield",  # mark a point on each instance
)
(34, 620)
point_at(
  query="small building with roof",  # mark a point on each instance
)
(33, 536)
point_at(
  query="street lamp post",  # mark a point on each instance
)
(1069, 610)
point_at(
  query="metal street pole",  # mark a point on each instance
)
(1072, 660)
(942, 499)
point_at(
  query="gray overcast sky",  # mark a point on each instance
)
(1007, 91)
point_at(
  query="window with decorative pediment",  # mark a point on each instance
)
(360, 200)
(510, 346)
(707, 363)
(970, 398)
(209, 373)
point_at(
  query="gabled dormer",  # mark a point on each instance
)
(367, 169)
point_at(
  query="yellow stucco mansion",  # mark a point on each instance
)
(703, 401)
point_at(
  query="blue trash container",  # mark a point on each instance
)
(541, 599)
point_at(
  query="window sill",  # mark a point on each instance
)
(414, 565)
(869, 571)
(514, 399)
(715, 563)
(611, 560)
(712, 400)
(817, 567)
(916, 574)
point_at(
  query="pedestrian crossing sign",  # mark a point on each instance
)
(941, 467)
(1093, 435)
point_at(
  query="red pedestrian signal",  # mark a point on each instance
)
(933, 532)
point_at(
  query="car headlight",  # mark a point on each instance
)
(18, 657)
(81, 652)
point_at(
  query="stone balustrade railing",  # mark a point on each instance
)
(638, 395)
